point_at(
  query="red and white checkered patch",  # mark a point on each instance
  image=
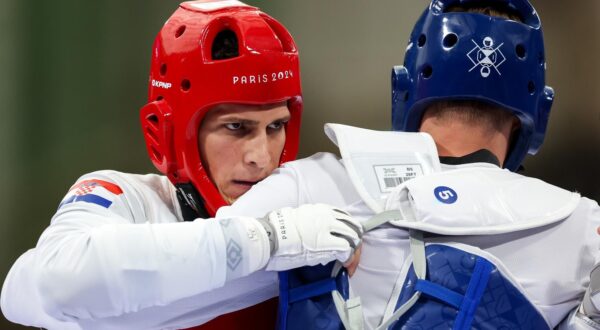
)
(93, 191)
(85, 189)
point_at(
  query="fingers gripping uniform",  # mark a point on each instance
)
(295, 246)
(470, 56)
(312, 302)
(587, 316)
(186, 82)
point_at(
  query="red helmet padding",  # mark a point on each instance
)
(185, 83)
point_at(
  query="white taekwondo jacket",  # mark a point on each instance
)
(125, 260)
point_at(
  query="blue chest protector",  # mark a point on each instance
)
(461, 291)
(305, 300)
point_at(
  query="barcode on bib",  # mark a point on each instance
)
(393, 182)
(393, 175)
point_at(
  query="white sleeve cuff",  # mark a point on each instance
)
(247, 246)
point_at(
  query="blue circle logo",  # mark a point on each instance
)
(445, 195)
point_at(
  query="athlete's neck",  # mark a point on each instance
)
(456, 138)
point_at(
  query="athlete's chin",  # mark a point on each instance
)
(236, 189)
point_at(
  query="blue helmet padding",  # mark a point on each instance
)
(470, 56)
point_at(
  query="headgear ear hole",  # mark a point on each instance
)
(180, 31)
(153, 118)
(450, 40)
(421, 41)
(531, 87)
(427, 71)
(186, 85)
(520, 50)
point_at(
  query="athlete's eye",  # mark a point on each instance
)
(233, 126)
(277, 125)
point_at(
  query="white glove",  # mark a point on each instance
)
(587, 315)
(591, 299)
(309, 235)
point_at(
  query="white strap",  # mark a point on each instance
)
(381, 218)
(349, 311)
(417, 249)
(592, 295)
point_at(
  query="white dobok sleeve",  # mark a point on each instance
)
(587, 315)
(99, 261)
(131, 266)
(320, 178)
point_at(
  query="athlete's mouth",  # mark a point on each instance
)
(245, 183)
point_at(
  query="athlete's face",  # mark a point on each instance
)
(241, 145)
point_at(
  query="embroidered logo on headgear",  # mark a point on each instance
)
(93, 191)
(486, 56)
(445, 194)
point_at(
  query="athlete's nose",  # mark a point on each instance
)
(257, 151)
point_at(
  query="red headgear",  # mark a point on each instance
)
(186, 82)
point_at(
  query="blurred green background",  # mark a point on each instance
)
(74, 75)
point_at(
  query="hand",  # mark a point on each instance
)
(311, 234)
(353, 263)
(590, 298)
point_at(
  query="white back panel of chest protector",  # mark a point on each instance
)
(379, 161)
(479, 201)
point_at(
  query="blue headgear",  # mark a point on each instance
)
(469, 56)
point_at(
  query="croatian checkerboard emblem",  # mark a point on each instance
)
(486, 57)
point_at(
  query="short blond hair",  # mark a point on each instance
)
(472, 112)
(489, 9)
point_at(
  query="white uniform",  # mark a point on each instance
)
(542, 236)
(117, 248)
(166, 269)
